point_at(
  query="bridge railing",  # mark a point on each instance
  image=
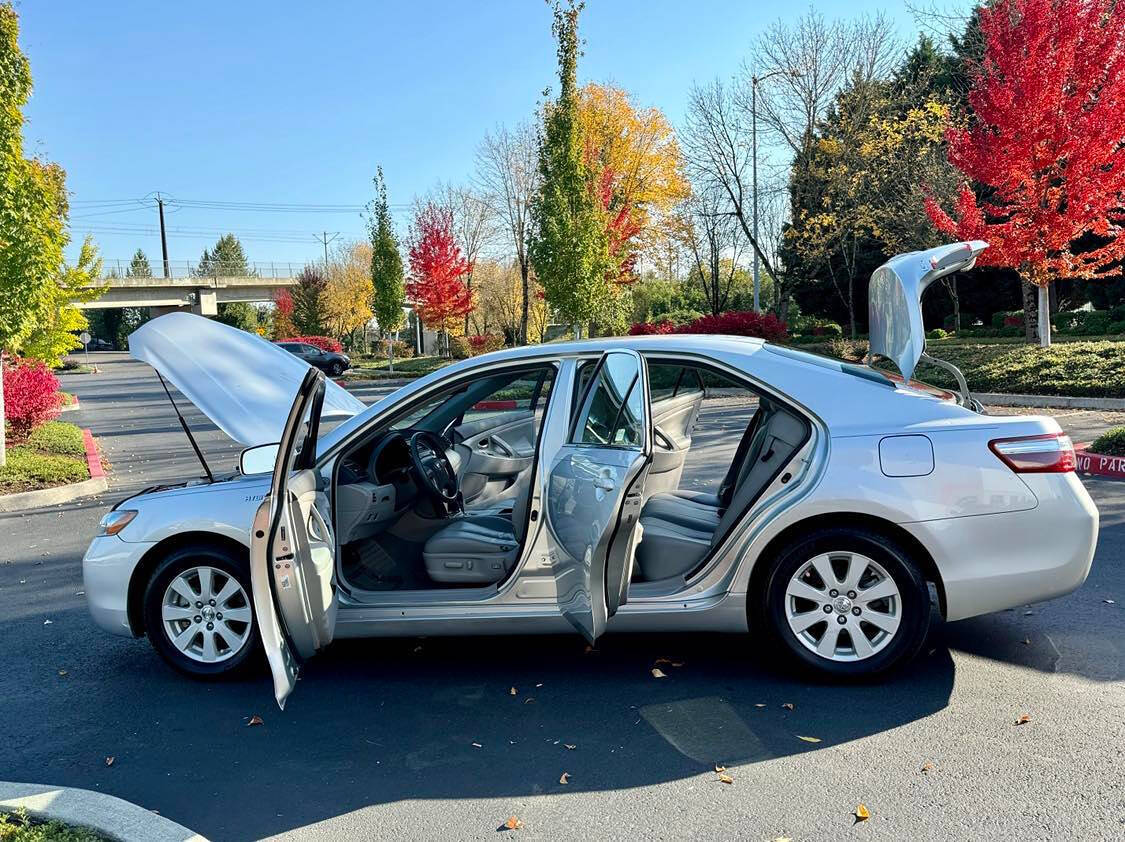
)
(183, 269)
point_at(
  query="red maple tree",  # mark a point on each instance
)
(436, 270)
(1045, 144)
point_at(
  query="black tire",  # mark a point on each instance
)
(768, 607)
(174, 564)
(336, 369)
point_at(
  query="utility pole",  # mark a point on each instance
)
(163, 236)
(325, 239)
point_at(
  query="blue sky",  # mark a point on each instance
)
(272, 102)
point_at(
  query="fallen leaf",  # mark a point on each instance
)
(759, 704)
(1027, 641)
(927, 767)
(62, 672)
(476, 745)
(861, 814)
(540, 684)
(658, 673)
(1028, 613)
(564, 778)
(529, 700)
(569, 746)
(667, 662)
(782, 839)
(809, 739)
(725, 778)
(1024, 719)
(109, 760)
(255, 720)
(512, 823)
(789, 706)
(1109, 601)
(513, 691)
(719, 769)
(48, 622)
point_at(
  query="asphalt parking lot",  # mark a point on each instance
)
(423, 738)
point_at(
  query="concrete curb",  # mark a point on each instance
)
(96, 484)
(71, 407)
(1050, 401)
(1097, 465)
(114, 817)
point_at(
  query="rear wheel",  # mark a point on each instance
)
(336, 369)
(845, 603)
(198, 612)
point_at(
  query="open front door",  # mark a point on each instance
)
(292, 551)
(595, 491)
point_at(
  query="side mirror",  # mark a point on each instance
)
(259, 459)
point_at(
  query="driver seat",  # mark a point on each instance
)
(472, 550)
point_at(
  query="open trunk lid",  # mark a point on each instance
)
(242, 382)
(894, 302)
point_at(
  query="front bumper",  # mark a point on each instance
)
(107, 568)
(993, 562)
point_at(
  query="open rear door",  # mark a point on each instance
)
(595, 491)
(292, 551)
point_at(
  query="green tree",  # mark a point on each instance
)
(226, 259)
(33, 209)
(388, 288)
(138, 266)
(239, 314)
(308, 301)
(56, 331)
(570, 247)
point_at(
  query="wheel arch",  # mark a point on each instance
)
(849, 520)
(142, 573)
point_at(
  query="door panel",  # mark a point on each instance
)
(673, 420)
(594, 493)
(495, 451)
(292, 551)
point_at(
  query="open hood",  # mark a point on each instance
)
(894, 299)
(243, 383)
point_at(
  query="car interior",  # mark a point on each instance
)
(439, 497)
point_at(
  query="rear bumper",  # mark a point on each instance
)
(992, 562)
(107, 568)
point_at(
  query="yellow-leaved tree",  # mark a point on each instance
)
(347, 296)
(59, 322)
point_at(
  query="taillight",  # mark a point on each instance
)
(1052, 453)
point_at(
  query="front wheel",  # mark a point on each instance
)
(336, 369)
(846, 603)
(198, 612)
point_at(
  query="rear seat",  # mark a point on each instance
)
(679, 528)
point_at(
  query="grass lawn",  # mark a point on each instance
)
(373, 368)
(19, 827)
(54, 454)
(1085, 368)
(69, 367)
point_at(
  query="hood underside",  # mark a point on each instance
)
(894, 299)
(243, 383)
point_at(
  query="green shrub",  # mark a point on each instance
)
(827, 330)
(853, 350)
(1117, 313)
(967, 320)
(937, 333)
(1010, 330)
(20, 827)
(1116, 327)
(1083, 322)
(402, 350)
(1110, 443)
(683, 316)
(27, 469)
(57, 437)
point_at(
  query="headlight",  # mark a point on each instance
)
(114, 522)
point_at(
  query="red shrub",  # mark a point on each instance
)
(485, 342)
(740, 323)
(31, 395)
(1013, 321)
(652, 328)
(324, 343)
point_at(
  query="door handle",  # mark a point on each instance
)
(604, 483)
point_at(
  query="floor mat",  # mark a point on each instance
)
(386, 564)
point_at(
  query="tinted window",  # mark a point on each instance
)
(614, 411)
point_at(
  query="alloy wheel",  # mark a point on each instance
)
(843, 606)
(206, 614)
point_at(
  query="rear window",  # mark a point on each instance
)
(854, 369)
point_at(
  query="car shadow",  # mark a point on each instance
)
(379, 721)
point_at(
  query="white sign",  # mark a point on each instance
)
(84, 338)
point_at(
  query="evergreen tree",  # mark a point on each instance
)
(570, 247)
(308, 301)
(389, 293)
(138, 266)
(33, 209)
(226, 259)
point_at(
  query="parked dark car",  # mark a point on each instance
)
(329, 362)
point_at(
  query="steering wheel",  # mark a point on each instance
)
(432, 469)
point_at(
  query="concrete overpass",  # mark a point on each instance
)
(200, 289)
